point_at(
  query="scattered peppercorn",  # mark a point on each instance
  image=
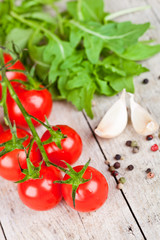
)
(148, 170)
(145, 81)
(149, 137)
(116, 165)
(150, 175)
(111, 169)
(135, 149)
(119, 186)
(134, 144)
(128, 143)
(122, 180)
(130, 167)
(117, 157)
(115, 173)
(154, 148)
(158, 77)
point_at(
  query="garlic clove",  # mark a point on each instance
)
(142, 121)
(115, 120)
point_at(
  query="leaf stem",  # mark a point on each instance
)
(35, 26)
(124, 12)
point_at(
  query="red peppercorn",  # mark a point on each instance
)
(114, 173)
(149, 137)
(154, 148)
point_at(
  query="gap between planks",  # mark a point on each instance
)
(3, 232)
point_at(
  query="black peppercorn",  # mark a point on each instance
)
(128, 143)
(130, 167)
(116, 165)
(148, 170)
(117, 157)
(145, 81)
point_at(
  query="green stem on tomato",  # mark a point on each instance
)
(4, 92)
(28, 120)
(43, 29)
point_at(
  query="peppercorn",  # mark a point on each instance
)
(117, 157)
(111, 169)
(154, 148)
(148, 170)
(116, 165)
(115, 173)
(149, 137)
(130, 167)
(119, 186)
(128, 143)
(145, 81)
(122, 180)
(135, 149)
(150, 175)
(134, 144)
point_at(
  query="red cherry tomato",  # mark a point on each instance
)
(13, 75)
(42, 194)
(71, 146)
(9, 167)
(37, 103)
(1, 129)
(90, 195)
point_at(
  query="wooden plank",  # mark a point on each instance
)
(112, 221)
(143, 195)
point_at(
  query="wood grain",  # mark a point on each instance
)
(123, 216)
(142, 194)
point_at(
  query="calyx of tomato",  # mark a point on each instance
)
(14, 143)
(56, 136)
(31, 172)
(76, 178)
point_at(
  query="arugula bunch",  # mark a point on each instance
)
(76, 51)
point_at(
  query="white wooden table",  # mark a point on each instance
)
(133, 213)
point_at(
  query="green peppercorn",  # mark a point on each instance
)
(134, 144)
(122, 180)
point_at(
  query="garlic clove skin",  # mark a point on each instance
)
(115, 120)
(143, 123)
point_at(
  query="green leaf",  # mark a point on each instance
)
(86, 10)
(140, 51)
(19, 36)
(72, 60)
(116, 36)
(118, 84)
(103, 87)
(93, 46)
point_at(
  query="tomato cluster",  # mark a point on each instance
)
(44, 193)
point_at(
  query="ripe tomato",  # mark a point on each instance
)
(90, 195)
(1, 129)
(42, 194)
(71, 146)
(9, 167)
(37, 103)
(13, 75)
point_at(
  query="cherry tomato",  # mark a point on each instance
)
(71, 146)
(1, 129)
(42, 194)
(13, 75)
(90, 195)
(9, 166)
(37, 103)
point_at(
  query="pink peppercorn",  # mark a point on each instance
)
(154, 148)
